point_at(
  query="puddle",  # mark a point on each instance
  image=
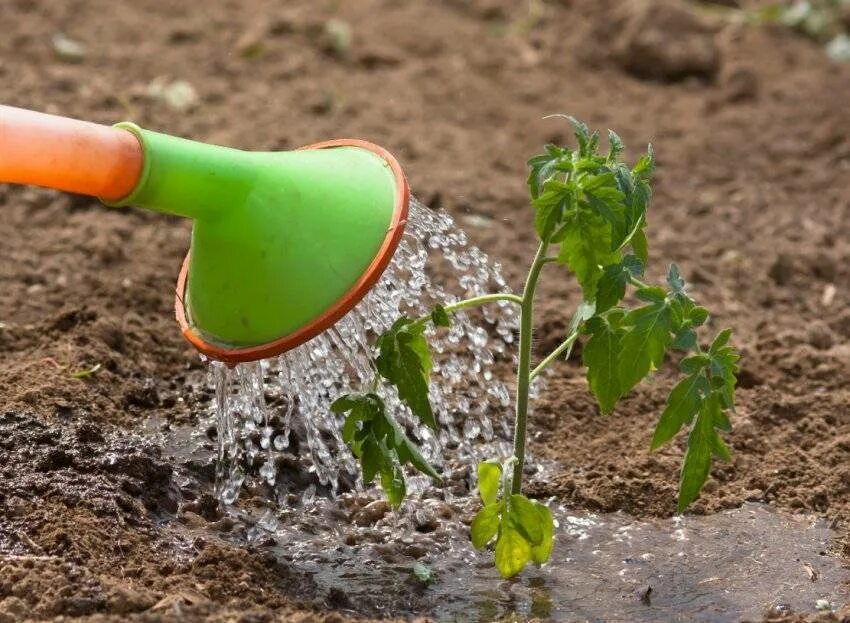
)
(725, 567)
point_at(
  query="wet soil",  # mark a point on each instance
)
(752, 131)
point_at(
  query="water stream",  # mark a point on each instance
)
(258, 404)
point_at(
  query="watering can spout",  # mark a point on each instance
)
(283, 243)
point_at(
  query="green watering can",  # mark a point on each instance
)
(284, 244)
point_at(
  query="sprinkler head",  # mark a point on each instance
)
(284, 244)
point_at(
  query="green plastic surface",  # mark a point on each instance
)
(278, 238)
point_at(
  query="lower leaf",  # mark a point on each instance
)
(512, 551)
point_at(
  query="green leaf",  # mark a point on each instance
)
(544, 166)
(646, 339)
(675, 281)
(409, 453)
(685, 339)
(702, 443)
(582, 134)
(692, 365)
(585, 248)
(489, 481)
(405, 361)
(523, 513)
(645, 166)
(615, 146)
(392, 482)
(540, 553)
(682, 405)
(424, 573)
(344, 403)
(440, 317)
(601, 356)
(640, 246)
(370, 460)
(612, 285)
(698, 315)
(485, 524)
(512, 551)
(550, 207)
(720, 341)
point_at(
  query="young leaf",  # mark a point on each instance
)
(585, 248)
(525, 518)
(582, 134)
(513, 552)
(644, 343)
(615, 146)
(544, 166)
(489, 481)
(550, 207)
(645, 166)
(675, 281)
(485, 525)
(601, 356)
(440, 317)
(540, 553)
(405, 361)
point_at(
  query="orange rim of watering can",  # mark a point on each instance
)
(332, 315)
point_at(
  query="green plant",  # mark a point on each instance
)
(593, 208)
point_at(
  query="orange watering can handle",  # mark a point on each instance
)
(66, 154)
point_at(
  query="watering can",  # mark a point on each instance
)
(284, 244)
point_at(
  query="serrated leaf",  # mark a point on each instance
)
(645, 165)
(512, 551)
(543, 166)
(582, 134)
(405, 361)
(685, 339)
(674, 280)
(585, 248)
(601, 356)
(489, 481)
(615, 145)
(701, 446)
(612, 285)
(440, 317)
(692, 365)
(409, 453)
(682, 405)
(525, 518)
(540, 553)
(698, 316)
(485, 525)
(646, 339)
(550, 208)
(720, 341)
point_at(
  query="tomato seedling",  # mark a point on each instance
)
(590, 217)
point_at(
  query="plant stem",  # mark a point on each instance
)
(523, 379)
(566, 345)
(474, 301)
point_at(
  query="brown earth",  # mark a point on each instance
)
(751, 125)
